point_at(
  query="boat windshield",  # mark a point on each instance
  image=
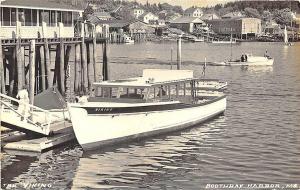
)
(149, 93)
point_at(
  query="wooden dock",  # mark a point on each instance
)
(62, 133)
(42, 63)
(27, 62)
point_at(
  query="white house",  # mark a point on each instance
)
(187, 24)
(193, 12)
(147, 17)
(209, 16)
(37, 18)
(136, 12)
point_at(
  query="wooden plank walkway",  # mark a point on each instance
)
(62, 133)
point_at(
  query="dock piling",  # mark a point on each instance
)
(47, 64)
(61, 67)
(12, 70)
(179, 53)
(31, 71)
(42, 68)
(77, 68)
(19, 64)
(84, 66)
(2, 68)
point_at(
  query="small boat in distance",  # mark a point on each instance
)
(248, 60)
(201, 39)
(231, 41)
(158, 102)
(286, 38)
(129, 40)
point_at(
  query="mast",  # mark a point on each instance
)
(230, 44)
(285, 36)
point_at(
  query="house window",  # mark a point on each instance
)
(28, 17)
(21, 16)
(52, 19)
(46, 17)
(67, 18)
(34, 17)
(6, 16)
(58, 17)
(13, 17)
(40, 17)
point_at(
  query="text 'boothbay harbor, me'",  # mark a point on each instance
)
(91, 83)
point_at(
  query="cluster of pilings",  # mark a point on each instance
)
(28, 63)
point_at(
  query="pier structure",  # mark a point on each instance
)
(42, 63)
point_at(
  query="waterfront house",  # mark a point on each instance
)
(187, 24)
(173, 16)
(233, 15)
(162, 14)
(193, 12)
(136, 12)
(238, 27)
(102, 15)
(37, 18)
(133, 27)
(209, 16)
(271, 28)
(148, 17)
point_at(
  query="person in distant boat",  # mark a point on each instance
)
(24, 102)
(246, 58)
(266, 54)
(243, 58)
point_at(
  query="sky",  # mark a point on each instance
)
(187, 3)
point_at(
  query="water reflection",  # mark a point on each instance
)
(258, 69)
(54, 167)
(121, 167)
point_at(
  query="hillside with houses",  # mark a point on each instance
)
(118, 19)
(247, 20)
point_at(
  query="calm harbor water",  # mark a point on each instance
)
(257, 141)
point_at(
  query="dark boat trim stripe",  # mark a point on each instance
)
(146, 108)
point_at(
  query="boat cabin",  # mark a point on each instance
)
(156, 86)
(37, 18)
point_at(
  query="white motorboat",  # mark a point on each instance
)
(250, 61)
(224, 42)
(201, 39)
(158, 102)
(129, 40)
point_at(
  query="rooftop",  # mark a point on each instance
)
(191, 10)
(184, 20)
(233, 15)
(40, 4)
(151, 77)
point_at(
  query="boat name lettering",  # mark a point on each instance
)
(103, 109)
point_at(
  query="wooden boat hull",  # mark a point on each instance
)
(94, 130)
